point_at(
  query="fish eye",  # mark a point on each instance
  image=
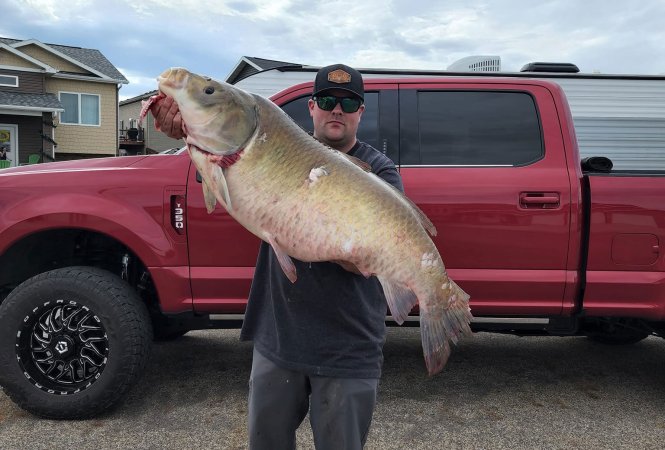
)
(209, 90)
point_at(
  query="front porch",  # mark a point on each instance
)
(26, 128)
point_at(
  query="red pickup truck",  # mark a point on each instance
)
(99, 256)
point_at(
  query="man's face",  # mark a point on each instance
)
(336, 128)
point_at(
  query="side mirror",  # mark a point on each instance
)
(597, 164)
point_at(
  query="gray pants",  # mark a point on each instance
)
(340, 409)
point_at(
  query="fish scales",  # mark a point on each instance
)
(314, 203)
(325, 218)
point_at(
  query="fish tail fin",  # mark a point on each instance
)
(400, 299)
(443, 320)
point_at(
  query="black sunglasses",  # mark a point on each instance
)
(328, 103)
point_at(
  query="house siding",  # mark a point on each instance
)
(28, 82)
(93, 140)
(9, 59)
(52, 60)
(127, 112)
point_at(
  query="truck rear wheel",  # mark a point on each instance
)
(72, 342)
(618, 332)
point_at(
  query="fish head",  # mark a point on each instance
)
(218, 117)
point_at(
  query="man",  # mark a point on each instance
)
(317, 342)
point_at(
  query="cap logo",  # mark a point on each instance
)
(339, 76)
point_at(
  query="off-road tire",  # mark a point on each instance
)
(75, 308)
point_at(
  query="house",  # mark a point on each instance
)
(57, 102)
(140, 139)
(618, 116)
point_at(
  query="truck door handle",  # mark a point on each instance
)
(540, 200)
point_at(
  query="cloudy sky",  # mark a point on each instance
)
(144, 37)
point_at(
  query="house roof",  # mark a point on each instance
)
(30, 102)
(85, 57)
(249, 65)
(138, 97)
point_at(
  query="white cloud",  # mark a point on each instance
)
(209, 36)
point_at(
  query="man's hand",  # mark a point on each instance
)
(167, 117)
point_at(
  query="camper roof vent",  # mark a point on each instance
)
(478, 63)
(550, 67)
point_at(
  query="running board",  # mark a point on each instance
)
(497, 324)
(539, 321)
(225, 317)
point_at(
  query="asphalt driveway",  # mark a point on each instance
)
(496, 392)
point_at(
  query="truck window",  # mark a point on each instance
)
(368, 130)
(477, 128)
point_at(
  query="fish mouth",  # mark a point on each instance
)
(172, 79)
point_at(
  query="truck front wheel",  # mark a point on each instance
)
(72, 342)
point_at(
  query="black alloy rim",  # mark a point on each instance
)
(62, 347)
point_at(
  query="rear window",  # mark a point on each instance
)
(368, 130)
(477, 128)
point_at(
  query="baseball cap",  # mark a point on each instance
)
(339, 76)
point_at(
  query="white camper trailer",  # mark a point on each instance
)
(618, 116)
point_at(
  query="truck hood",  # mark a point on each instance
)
(91, 164)
(93, 175)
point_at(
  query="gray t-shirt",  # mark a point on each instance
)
(330, 322)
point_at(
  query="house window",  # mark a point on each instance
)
(9, 80)
(80, 109)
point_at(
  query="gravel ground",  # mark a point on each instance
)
(497, 392)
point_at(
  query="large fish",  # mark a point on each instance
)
(302, 197)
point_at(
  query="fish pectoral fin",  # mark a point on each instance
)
(358, 162)
(209, 198)
(400, 299)
(222, 193)
(285, 261)
(213, 180)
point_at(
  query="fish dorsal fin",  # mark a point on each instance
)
(422, 217)
(358, 162)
